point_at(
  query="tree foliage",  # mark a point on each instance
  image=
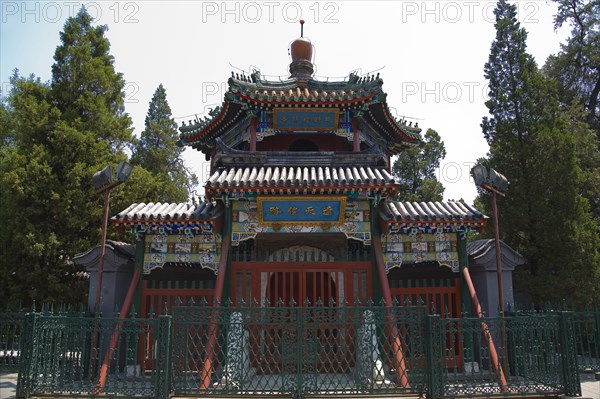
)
(576, 68)
(415, 168)
(543, 216)
(56, 136)
(576, 71)
(158, 153)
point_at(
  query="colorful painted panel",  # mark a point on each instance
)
(189, 229)
(305, 119)
(308, 210)
(356, 222)
(203, 250)
(399, 249)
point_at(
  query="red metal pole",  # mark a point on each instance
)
(102, 252)
(115, 335)
(213, 328)
(486, 332)
(498, 255)
(399, 363)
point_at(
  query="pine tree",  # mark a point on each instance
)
(543, 215)
(158, 153)
(62, 133)
(576, 68)
(415, 168)
(85, 86)
(576, 71)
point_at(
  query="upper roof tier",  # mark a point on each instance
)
(248, 96)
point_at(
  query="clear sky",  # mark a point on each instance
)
(430, 55)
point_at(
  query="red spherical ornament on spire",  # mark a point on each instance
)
(301, 48)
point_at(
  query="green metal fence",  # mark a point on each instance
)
(587, 334)
(10, 335)
(319, 349)
(535, 356)
(62, 354)
(358, 349)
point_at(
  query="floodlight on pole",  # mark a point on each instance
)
(480, 174)
(496, 184)
(103, 182)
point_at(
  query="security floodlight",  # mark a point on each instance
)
(498, 181)
(480, 174)
(103, 183)
(495, 184)
(123, 171)
(103, 178)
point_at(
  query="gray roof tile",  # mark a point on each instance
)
(168, 212)
(430, 212)
(301, 176)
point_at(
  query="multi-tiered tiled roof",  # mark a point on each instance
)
(247, 93)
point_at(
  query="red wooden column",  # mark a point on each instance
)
(392, 330)
(253, 129)
(496, 366)
(213, 328)
(356, 135)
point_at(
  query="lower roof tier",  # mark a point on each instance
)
(277, 179)
(207, 217)
(409, 215)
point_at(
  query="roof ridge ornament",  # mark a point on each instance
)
(301, 51)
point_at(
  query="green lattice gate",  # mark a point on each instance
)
(296, 350)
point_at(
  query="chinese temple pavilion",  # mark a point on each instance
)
(301, 205)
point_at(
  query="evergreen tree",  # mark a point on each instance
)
(62, 133)
(415, 170)
(576, 68)
(85, 86)
(576, 71)
(53, 137)
(543, 215)
(158, 153)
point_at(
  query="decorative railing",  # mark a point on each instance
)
(204, 349)
(587, 340)
(321, 349)
(10, 336)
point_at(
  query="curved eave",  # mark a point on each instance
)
(231, 114)
(400, 136)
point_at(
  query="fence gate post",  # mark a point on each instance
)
(163, 357)
(434, 354)
(568, 354)
(27, 345)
